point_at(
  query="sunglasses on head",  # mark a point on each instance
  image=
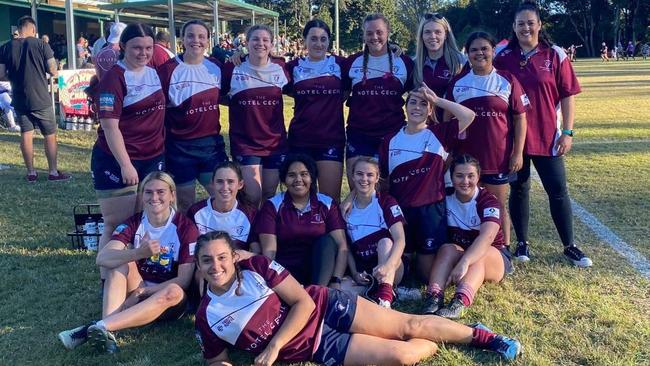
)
(428, 16)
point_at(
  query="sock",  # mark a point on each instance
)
(101, 324)
(465, 293)
(434, 290)
(481, 338)
(385, 292)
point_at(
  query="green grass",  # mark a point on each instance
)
(562, 315)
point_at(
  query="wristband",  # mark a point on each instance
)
(335, 279)
(567, 132)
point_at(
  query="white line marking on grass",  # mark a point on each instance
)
(605, 234)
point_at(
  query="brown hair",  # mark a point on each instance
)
(206, 238)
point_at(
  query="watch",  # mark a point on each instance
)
(335, 279)
(567, 132)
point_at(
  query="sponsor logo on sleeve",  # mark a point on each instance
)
(524, 99)
(106, 102)
(396, 211)
(120, 228)
(491, 212)
(277, 267)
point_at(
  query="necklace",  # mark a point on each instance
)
(525, 56)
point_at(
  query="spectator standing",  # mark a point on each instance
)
(26, 61)
(161, 51)
(82, 52)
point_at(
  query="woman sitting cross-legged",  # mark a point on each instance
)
(150, 259)
(255, 304)
(476, 251)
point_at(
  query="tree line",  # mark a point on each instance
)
(579, 22)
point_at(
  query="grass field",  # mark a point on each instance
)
(562, 315)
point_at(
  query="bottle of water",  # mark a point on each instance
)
(89, 124)
(68, 122)
(90, 238)
(100, 226)
(75, 123)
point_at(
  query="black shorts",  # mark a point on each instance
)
(332, 153)
(189, 160)
(107, 174)
(362, 145)
(508, 268)
(426, 228)
(498, 179)
(43, 119)
(267, 162)
(335, 337)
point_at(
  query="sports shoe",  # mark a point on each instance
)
(408, 293)
(383, 303)
(507, 347)
(31, 178)
(103, 340)
(74, 338)
(14, 128)
(521, 253)
(60, 177)
(577, 257)
(433, 303)
(454, 310)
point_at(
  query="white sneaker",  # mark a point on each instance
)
(73, 338)
(14, 128)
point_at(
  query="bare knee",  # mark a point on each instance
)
(411, 328)
(171, 295)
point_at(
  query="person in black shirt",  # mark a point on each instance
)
(26, 61)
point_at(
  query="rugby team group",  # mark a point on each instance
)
(436, 181)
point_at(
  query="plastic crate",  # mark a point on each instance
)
(80, 214)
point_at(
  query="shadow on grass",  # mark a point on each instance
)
(617, 84)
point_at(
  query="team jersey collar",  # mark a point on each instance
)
(476, 193)
(217, 213)
(172, 213)
(494, 70)
(311, 205)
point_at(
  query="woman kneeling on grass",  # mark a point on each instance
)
(151, 263)
(254, 304)
(476, 252)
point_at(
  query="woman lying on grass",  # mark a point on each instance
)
(254, 304)
(151, 263)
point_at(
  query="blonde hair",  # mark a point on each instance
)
(163, 177)
(452, 55)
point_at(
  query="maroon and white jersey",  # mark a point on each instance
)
(160, 55)
(137, 100)
(367, 226)
(547, 78)
(192, 93)
(495, 98)
(236, 222)
(177, 241)
(297, 230)
(317, 88)
(464, 219)
(106, 58)
(255, 115)
(415, 164)
(249, 321)
(437, 74)
(376, 100)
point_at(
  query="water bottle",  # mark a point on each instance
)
(100, 226)
(89, 124)
(75, 123)
(68, 122)
(90, 239)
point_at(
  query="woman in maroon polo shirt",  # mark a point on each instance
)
(546, 74)
(302, 229)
